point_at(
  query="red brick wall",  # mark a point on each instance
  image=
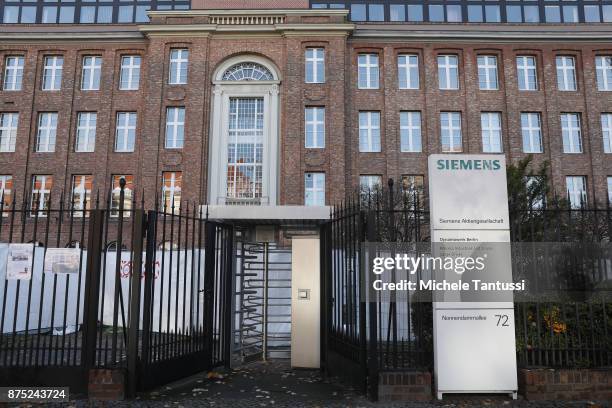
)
(341, 159)
(566, 384)
(404, 386)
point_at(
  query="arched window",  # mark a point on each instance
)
(248, 71)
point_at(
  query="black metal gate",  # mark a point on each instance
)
(150, 293)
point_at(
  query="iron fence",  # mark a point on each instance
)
(148, 291)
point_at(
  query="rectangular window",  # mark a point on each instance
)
(369, 183)
(315, 66)
(358, 12)
(175, 127)
(487, 72)
(604, 73)
(130, 72)
(448, 72)
(81, 194)
(572, 134)
(410, 132)
(125, 132)
(13, 73)
(527, 73)
(369, 131)
(606, 130)
(90, 77)
(408, 71)
(413, 190)
(47, 131)
(576, 191)
(179, 61)
(397, 12)
(531, 130)
(490, 123)
(8, 131)
(315, 128)
(450, 130)
(368, 71)
(86, 132)
(566, 73)
(52, 72)
(610, 190)
(41, 193)
(314, 189)
(116, 195)
(535, 192)
(6, 194)
(172, 182)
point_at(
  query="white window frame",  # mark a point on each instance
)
(5, 193)
(603, 65)
(532, 132)
(566, 73)
(8, 132)
(83, 193)
(44, 194)
(91, 73)
(179, 66)
(571, 134)
(491, 132)
(122, 132)
(173, 190)
(13, 73)
(86, 132)
(47, 132)
(454, 132)
(488, 64)
(369, 133)
(53, 66)
(130, 72)
(523, 69)
(317, 191)
(372, 71)
(408, 64)
(315, 64)
(410, 132)
(577, 196)
(606, 131)
(175, 127)
(312, 126)
(448, 68)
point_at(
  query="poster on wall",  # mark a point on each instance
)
(62, 260)
(19, 262)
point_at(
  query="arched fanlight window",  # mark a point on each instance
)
(248, 71)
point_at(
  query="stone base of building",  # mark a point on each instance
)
(565, 384)
(106, 385)
(404, 386)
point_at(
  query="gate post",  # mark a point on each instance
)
(228, 297)
(210, 236)
(326, 302)
(372, 347)
(149, 278)
(92, 289)
(134, 317)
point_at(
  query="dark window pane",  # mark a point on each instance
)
(453, 14)
(591, 14)
(88, 14)
(532, 14)
(415, 12)
(11, 14)
(126, 14)
(570, 14)
(492, 14)
(553, 14)
(475, 14)
(397, 12)
(358, 12)
(105, 14)
(66, 14)
(28, 14)
(141, 14)
(513, 14)
(436, 12)
(377, 12)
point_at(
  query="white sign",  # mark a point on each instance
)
(474, 342)
(62, 260)
(19, 262)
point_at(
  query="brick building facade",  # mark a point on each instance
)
(355, 108)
